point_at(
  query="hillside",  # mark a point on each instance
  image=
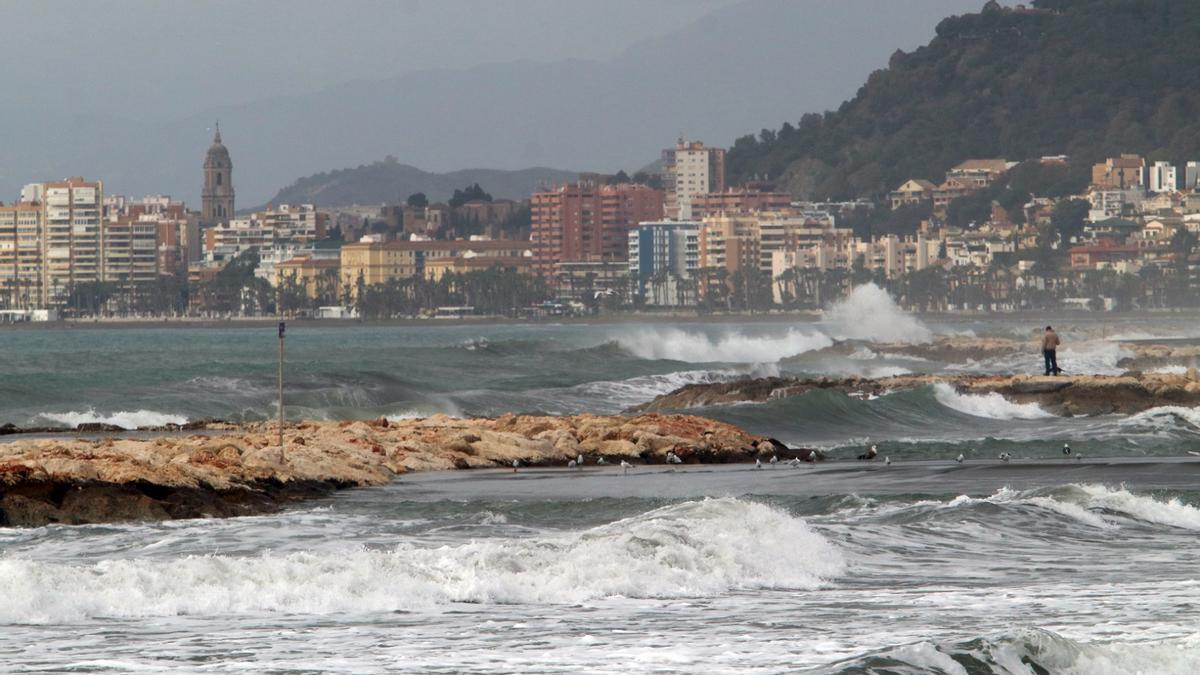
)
(390, 181)
(1084, 78)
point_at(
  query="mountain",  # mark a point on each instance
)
(1085, 78)
(742, 66)
(390, 181)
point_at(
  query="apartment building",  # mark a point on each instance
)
(1163, 177)
(663, 256)
(739, 200)
(73, 236)
(21, 256)
(378, 262)
(1125, 171)
(691, 169)
(588, 222)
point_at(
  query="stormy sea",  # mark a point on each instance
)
(923, 564)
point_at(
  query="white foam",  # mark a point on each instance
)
(869, 313)
(1170, 512)
(991, 405)
(690, 549)
(734, 347)
(128, 419)
(1164, 418)
(1171, 370)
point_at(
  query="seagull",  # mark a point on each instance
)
(887, 460)
(795, 462)
(1066, 449)
(602, 461)
(579, 460)
(1004, 457)
(758, 463)
(959, 459)
(870, 453)
(572, 464)
(673, 458)
(812, 457)
(774, 461)
(516, 463)
(626, 466)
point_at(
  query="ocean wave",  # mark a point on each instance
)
(1030, 651)
(734, 347)
(991, 405)
(689, 549)
(1165, 418)
(1090, 504)
(1170, 512)
(869, 313)
(128, 419)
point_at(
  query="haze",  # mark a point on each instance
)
(127, 91)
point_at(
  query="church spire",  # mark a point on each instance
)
(217, 136)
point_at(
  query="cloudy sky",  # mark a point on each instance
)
(125, 90)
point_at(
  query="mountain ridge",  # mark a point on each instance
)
(391, 181)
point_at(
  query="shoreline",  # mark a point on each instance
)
(775, 316)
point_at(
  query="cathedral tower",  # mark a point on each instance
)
(216, 200)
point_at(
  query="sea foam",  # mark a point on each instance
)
(689, 549)
(734, 347)
(991, 405)
(869, 313)
(128, 419)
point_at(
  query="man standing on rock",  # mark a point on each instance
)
(1050, 344)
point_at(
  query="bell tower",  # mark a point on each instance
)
(216, 200)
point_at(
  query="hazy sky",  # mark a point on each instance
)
(142, 59)
(126, 90)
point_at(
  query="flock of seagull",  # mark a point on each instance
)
(811, 458)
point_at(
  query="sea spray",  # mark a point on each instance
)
(733, 347)
(869, 313)
(688, 549)
(127, 419)
(991, 405)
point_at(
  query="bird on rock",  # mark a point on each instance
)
(516, 464)
(757, 463)
(960, 458)
(870, 454)
(1066, 448)
(1004, 457)
(625, 466)
(572, 464)
(774, 461)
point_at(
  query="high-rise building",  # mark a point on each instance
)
(216, 199)
(584, 222)
(1191, 175)
(664, 257)
(1163, 177)
(21, 256)
(73, 237)
(691, 169)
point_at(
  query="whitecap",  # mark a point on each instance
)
(732, 347)
(127, 419)
(991, 405)
(689, 549)
(869, 313)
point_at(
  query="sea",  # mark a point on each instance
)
(1046, 563)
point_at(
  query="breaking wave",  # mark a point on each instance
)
(689, 549)
(991, 405)
(127, 419)
(735, 347)
(1030, 651)
(869, 313)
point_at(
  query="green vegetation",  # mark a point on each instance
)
(1089, 79)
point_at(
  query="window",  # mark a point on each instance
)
(218, 178)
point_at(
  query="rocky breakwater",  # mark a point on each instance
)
(1126, 394)
(241, 470)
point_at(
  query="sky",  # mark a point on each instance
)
(126, 90)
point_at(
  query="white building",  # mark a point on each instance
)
(71, 211)
(691, 169)
(1191, 175)
(1163, 177)
(662, 257)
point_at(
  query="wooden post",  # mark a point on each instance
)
(282, 327)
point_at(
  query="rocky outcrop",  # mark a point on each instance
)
(241, 470)
(1063, 395)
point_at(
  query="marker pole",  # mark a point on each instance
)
(282, 327)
